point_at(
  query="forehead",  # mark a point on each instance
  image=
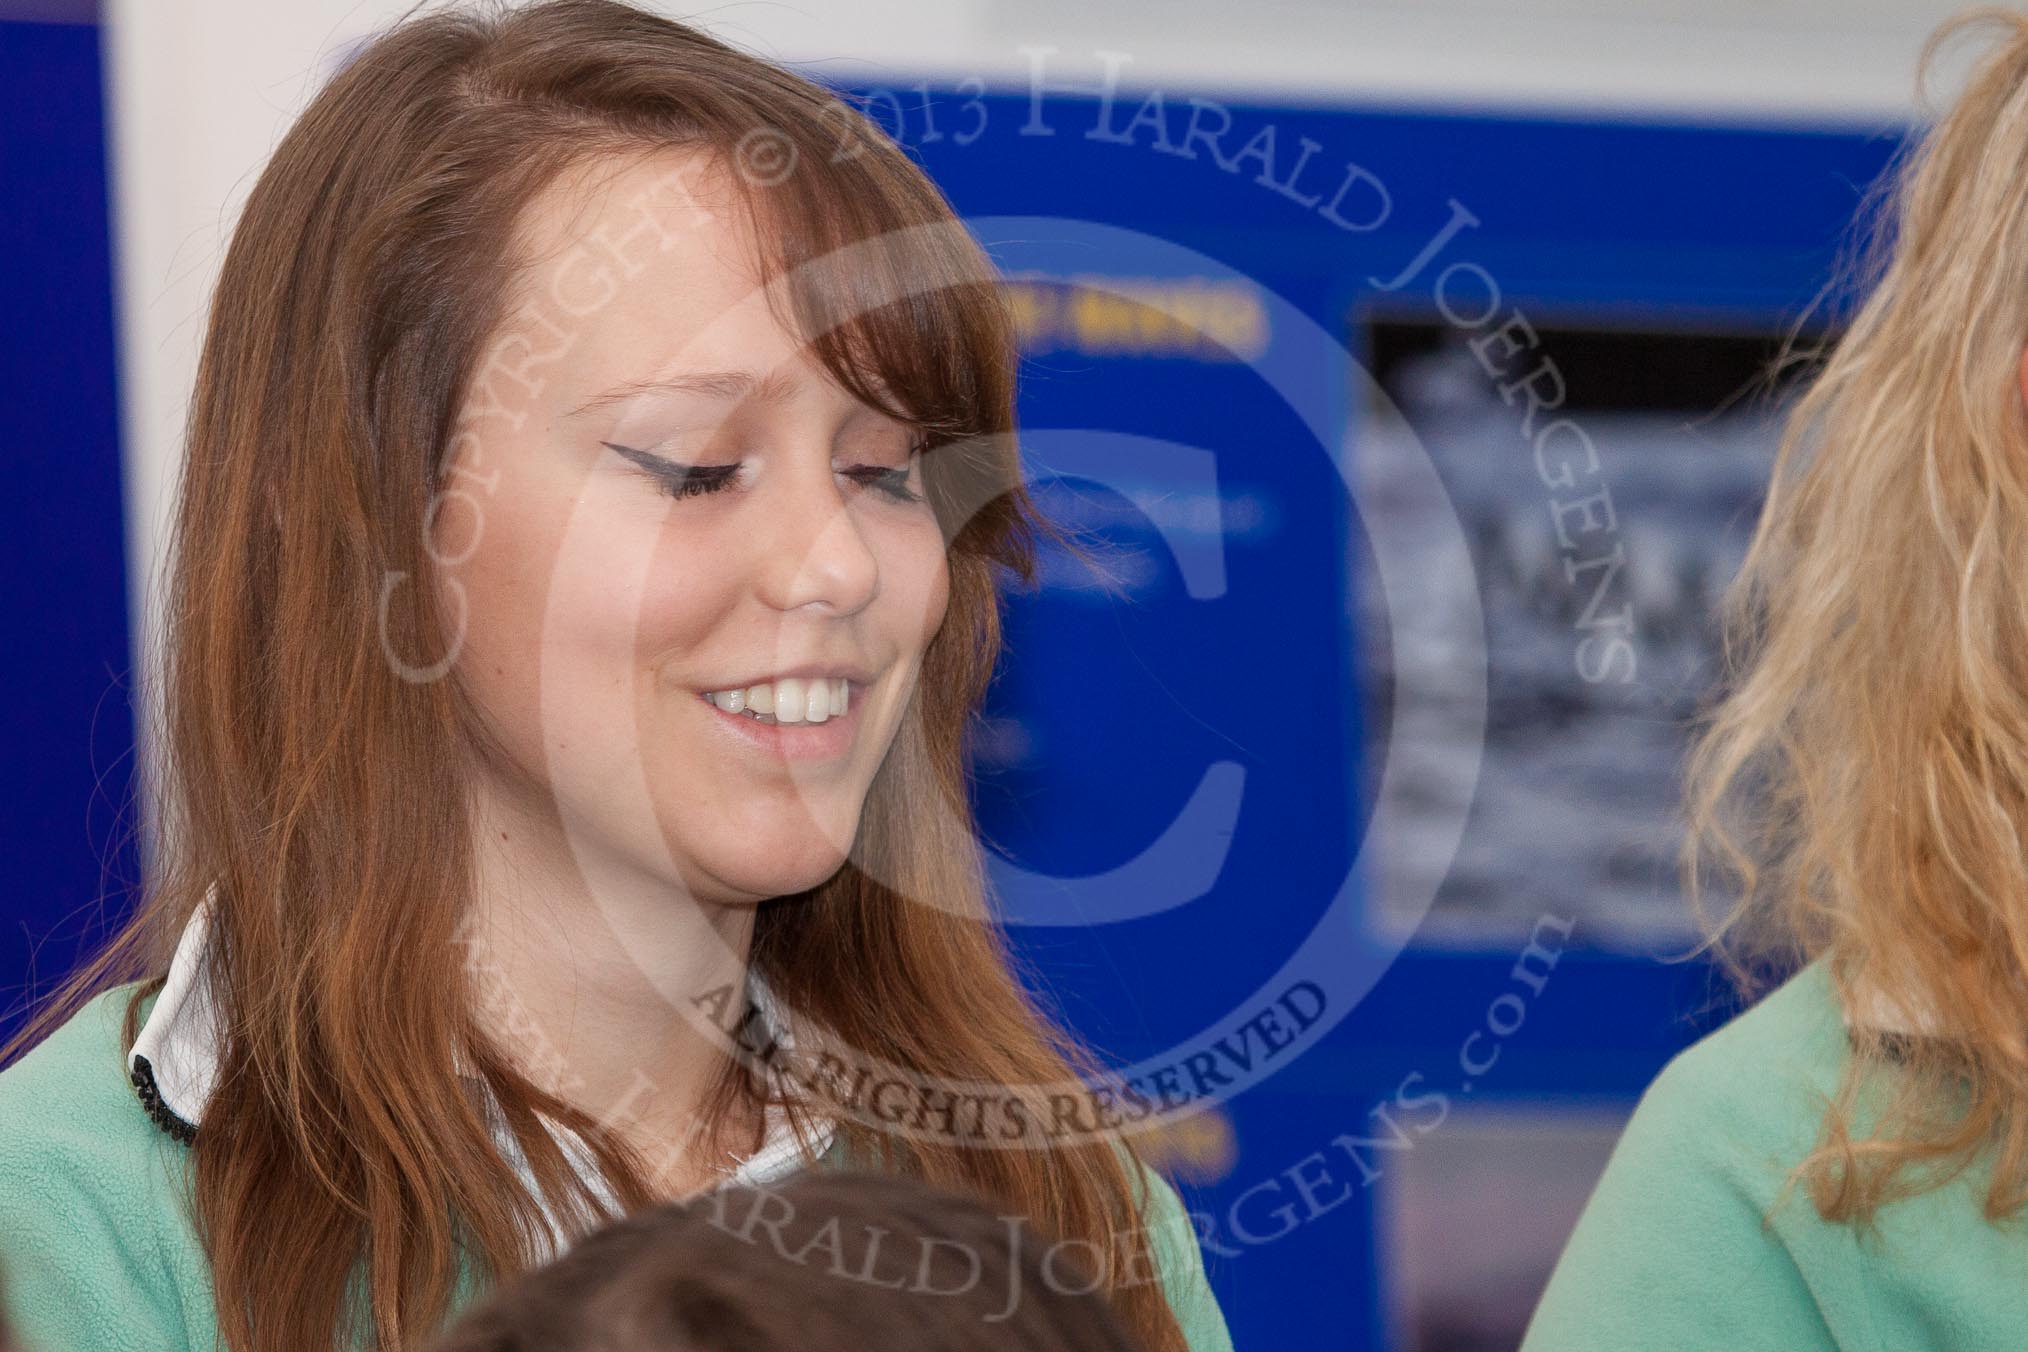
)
(631, 263)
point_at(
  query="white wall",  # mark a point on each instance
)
(200, 90)
(1811, 59)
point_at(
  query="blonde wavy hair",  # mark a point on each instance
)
(1864, 774)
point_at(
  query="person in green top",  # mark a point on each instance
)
(600, 477)
(1844, 1165)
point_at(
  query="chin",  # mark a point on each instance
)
(781, 877)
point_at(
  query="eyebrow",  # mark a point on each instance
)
(773, 388)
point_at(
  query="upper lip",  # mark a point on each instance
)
(815, 671)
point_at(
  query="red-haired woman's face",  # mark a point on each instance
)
(657, 494)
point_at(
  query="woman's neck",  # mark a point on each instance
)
(603, 982)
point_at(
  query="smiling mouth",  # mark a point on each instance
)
(812, 702)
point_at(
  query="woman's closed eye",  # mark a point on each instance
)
(688, 481)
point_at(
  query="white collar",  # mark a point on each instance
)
(1873, 1007)
(174, 1065)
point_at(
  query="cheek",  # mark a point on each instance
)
(495, 597)
(684, 592)
(928, 589)
(549, 598)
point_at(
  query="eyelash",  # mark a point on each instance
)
(689, 481)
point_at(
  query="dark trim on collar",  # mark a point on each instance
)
(163, 1116)
(142, 1076)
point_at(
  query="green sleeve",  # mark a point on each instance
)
(1181, 1265)
(85, 1190)
(80, 1264)
(1670, 1252)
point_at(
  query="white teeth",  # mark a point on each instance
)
(790, 705)
(790, 700)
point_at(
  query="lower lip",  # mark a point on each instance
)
(794, 741)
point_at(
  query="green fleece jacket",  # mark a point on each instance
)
(1670, 1252)
(97, 1251)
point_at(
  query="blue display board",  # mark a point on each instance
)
(1234, 707)
(65, 685)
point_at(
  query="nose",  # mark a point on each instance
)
(813, 549)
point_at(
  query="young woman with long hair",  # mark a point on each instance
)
(1845, 1164)
(599, 477)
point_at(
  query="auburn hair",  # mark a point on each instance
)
(340, 1167)
(899, 1264)
(1863, 780)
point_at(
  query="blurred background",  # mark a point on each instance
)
(1407, 357)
